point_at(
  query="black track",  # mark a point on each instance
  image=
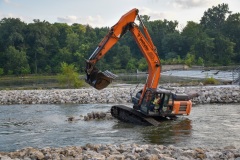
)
(129, 115)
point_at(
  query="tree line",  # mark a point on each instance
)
(41, 47)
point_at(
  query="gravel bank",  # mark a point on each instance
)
(121, 94)
(122, 152)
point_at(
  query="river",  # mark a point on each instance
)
(47, 126)
(172, 76)
(217, 74)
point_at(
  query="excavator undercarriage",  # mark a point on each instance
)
(130, 115)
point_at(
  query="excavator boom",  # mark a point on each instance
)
(100, 80)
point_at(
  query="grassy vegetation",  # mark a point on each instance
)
(210, 80)
(28, 82)
(69, 77)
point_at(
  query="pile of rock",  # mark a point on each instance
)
(98, 116)
(62, 96)
(123, 151)
(228, 94)
(217, 94)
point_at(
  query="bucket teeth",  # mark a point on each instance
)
(110, 74)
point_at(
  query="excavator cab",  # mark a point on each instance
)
(156, 103)
(164, 103)
(96, 78)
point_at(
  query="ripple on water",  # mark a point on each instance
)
(46, 125)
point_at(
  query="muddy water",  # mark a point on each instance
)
(46, 125)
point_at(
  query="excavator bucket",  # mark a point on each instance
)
(98, 79)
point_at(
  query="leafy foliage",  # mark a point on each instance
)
(1, 71)
(69, 76)
(210, 80)
(40, 47)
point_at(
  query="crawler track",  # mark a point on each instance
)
(130, 115)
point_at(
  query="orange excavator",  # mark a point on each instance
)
(151, 104)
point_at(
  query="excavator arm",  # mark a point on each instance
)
(100, 80)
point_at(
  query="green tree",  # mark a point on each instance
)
(223, 50)
(232, 31)
(190, 35)
(69, 76)
(204, 48)
(131, 65)
(214, 18)
(198, 42)
(200, 61)
(12, 33)
(158, 30)
(123, 55)
(142, 64)
(39, 36)
(173, 43)
(1, 71)
(62, 31)
(72, 42)
(190, 59)
(16, 61)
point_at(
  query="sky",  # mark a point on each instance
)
(102, 13)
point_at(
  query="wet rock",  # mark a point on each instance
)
(166, 157)
(116, 157)
(56, 156)
(213, 154)
(98, 116)
(229, 147)
(86, 118)
(4, 157)
(137, 150)
(106, 153)
(102, 115)
(151, 157)
(130, 157)
(34, 154)
(123, 151)
(201, 156)
(14, 155)
(99, 157)
(90, 115)
(70, 119)
(183, 158)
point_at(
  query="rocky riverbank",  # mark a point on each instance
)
(120, 94)
(122, 152)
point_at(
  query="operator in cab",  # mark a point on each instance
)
(157, 102)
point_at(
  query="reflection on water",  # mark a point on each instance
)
(221, 75)
(174, 76)
(46, 125)
(169, 132)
